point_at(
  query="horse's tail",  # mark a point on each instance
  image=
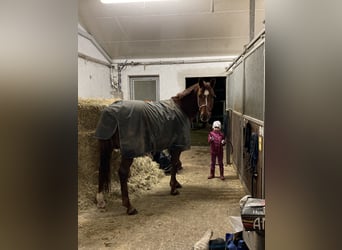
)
(106, 148)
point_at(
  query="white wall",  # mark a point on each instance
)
(171, 77)
(93, 78)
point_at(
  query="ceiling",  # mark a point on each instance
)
(169, 29)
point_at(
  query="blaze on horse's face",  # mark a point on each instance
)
(205, 99)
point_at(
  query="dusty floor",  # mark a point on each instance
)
(164, 221)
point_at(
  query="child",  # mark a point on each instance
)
(216, 140)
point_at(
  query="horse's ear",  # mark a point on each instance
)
(212, 82)
(201, 82)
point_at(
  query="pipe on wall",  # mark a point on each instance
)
(142, 63)
(91, 38)
(261, 35)
(92, 59)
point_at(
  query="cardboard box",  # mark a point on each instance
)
(253, 214)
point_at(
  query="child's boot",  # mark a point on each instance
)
(221, 173)
(212, 173)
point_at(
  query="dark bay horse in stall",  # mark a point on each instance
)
(139, 127)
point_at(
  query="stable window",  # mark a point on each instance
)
(145, 88)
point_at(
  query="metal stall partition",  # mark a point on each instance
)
(229, 145)
(235, 105)
(255, 83)
(229, 105)
(254, 106)
(245, 111)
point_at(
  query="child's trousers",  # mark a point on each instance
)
(219, 157)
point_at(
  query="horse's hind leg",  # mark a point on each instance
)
(106, 149)
(124, 174)
(175, 154)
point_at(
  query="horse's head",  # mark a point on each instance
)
(205, 99)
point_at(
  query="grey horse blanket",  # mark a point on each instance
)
(145, 126)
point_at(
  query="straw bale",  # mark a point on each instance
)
(89, 111)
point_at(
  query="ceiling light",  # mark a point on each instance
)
(131, 1)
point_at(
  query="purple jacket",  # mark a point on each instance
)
(215, 138)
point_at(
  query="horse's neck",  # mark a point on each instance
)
(188, 104)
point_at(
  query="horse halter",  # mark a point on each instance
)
(206, 93)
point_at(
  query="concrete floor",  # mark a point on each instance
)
(168, 222)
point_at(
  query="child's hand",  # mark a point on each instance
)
(223, 142)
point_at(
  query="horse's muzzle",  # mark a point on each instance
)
(204, 117)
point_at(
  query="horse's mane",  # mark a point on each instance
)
(186, 92)
(187, 100)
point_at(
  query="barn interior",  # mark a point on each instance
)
(152, 50)
(50, 57)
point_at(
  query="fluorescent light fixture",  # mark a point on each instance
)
(131, 1)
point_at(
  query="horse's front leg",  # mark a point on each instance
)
(175, 154)
(124, 174)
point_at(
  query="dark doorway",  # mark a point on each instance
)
(199, 131)
(220, 99)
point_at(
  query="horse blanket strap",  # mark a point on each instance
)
(145, 126)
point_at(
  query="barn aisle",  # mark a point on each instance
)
(165, 221)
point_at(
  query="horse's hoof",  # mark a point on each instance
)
(174, 192)
(100, 201)
(132, 211)
(101, 204)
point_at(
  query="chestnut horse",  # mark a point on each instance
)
(136, 135)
